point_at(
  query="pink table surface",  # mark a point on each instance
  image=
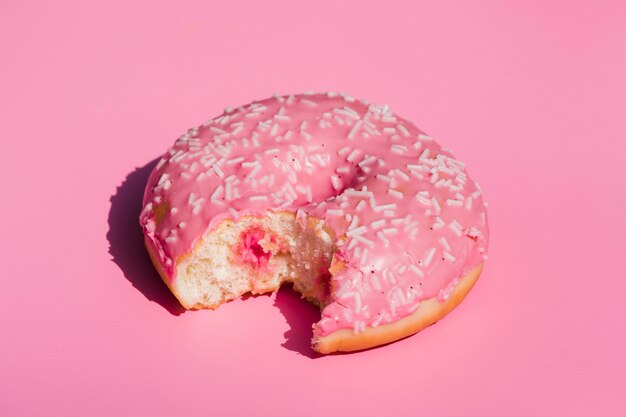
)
(531, 94)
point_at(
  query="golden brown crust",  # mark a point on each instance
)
(429, 312)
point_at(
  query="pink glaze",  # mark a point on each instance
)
(413, 220)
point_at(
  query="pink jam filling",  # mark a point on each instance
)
(250, 250)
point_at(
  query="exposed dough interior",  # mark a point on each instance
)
(256, 255)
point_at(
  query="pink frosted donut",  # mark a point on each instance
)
(366, 215)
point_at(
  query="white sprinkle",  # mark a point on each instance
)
(254, 171)
(412, 226)
(196, 209)
(417, 175)
(274, 130)
(343, 170)
(401, 174)
(250, 164)
(440, 183)
(344, 112)
(182, 225)
(395, 193)
(228, 191)
(355, 129)
(367, 161)
(218, 191)
(444, 243)
(456, 228)
(343, 151)
(403, 130)
(171, 239)
(385, 207)
(271, 151)
(308, 102)
(389, 130)
(398, 149)
(382, 238)
(423, 200)
(378, 223)
(436, 205)
(364, 256)
(218, 130)
(450, 202)
(439, 223)
(354, 222)
(468, 203)
(476, 194)
(334, 212)
(358, 231)
(353, 155)
(448, 256)
(237, 130)
(350, 192)
(360, 205)
(305, 135)
(417, 270)
(234, 160)
(390, 277)
(383, 178)
(218, 170)
(336, 181)
(375, 282)
(323, 124)
(428, 256)
(363, 240)
(424, 154)
(390, 231)
(421, 136)
(258, 198)
(255, 139)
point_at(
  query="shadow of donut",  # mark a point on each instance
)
(129, 254)
(300, 316)
(126, 241)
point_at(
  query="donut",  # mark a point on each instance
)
(364, 214)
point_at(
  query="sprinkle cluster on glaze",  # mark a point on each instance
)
(414, 222)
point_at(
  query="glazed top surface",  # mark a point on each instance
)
(414, 222)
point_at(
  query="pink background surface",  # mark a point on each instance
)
(532, 95)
